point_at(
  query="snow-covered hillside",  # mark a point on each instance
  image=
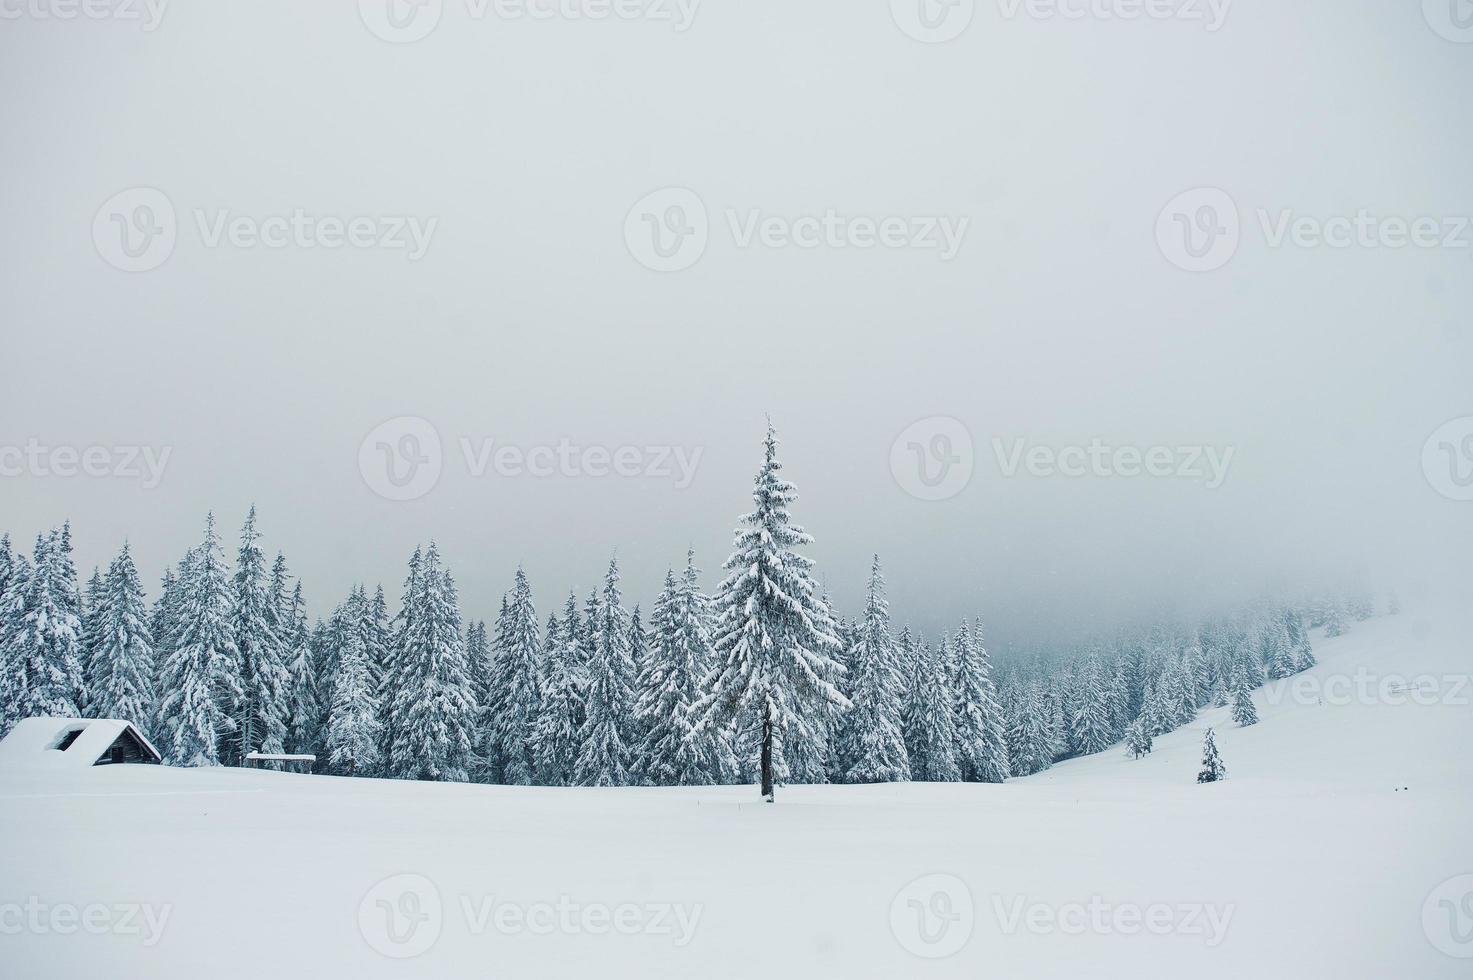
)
(1332, 850)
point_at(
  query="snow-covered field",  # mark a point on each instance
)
(1332, 850)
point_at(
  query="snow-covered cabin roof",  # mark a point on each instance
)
(37, 743)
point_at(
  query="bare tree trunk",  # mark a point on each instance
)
(767, 754)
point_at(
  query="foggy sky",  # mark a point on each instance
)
(528, 320)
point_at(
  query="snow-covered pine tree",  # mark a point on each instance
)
(1138, 738)
(1393, 604)
(871, 744)
(305, 721)
(353, 738)
(555, 738)
(635, 729)
(514, 691)
(1278, 648)
(121, 668)
(604, 758)
(392, 688)
(1244, 712)
(438, 714)
(1303, 650)
(13, 574)
(1212, 767)
(163, 618)
(613, 632)
(1031, 743)
(1091, 720)
(774, 640)
(1335, 618)
(478, 655)
(673, 753)
(262, 721)
(930, 717)
(93, 597)
(43, 638)
(201, 689)
(981, 729)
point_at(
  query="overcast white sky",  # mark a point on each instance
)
(529, 319)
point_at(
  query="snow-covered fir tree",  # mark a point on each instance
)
(1303, 650)
(1244, 712)
(305, 720)
(774, 640)
(1032, 744)
(604, 758)
(92, 602)
(1138, 738)
(393, 692)
(556, 738)
(930, 716)
(514, 690)
(981, 729)
(1212, 766)
(1091, 725)
(353, 739)
(201, 693)
(1335, 618)
(121, 669)
(262, 723)
(43, 654)
(438, 714)
(871, 743)
(673, 753)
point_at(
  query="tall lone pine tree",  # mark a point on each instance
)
(774, 642)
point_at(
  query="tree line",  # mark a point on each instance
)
(760, 681)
